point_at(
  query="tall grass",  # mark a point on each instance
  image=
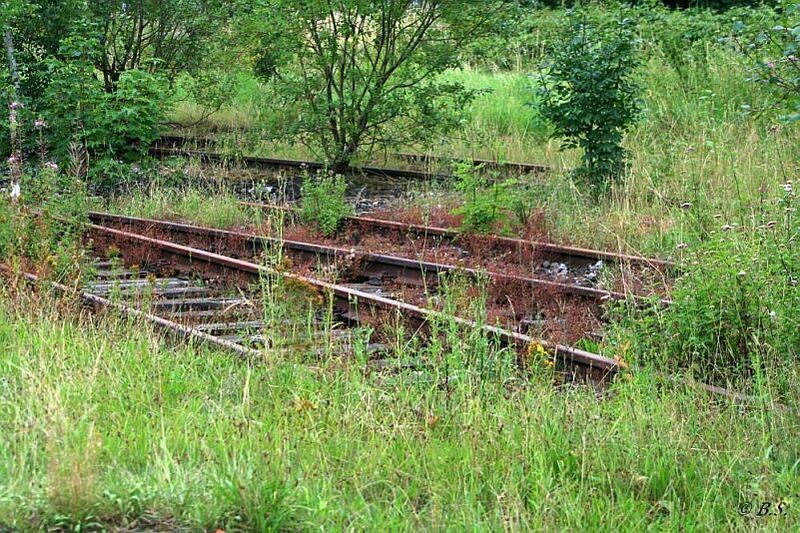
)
(105, 425)
(216, 207)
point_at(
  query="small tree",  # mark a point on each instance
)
(774, 55)
(162, 37)
(364, 73)
(590, 95)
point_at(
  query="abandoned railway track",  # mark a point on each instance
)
(550, 309)
(174, 144)
(515, 247)
(351, 301)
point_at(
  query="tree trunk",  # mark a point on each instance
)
(12, 63)
(15, 162)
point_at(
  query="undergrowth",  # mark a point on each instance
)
(107, 426)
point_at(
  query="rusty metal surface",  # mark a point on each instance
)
(413, 270)
(272, 162)
(600, 367)
(178, 141)
(171, 327)
(514, 244)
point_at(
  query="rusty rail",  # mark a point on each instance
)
(294, 164)
(350, 300)
(513, 244)
(179, 141)
(414, 269)
(173, 328)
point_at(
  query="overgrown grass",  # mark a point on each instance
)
(103, 423)
(216, 208)
(704, 139)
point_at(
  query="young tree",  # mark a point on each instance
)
(159, 36)
(590, 96)
(360, 74)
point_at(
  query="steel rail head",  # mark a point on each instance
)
(519, 341)
(402, 262)
(515, 242)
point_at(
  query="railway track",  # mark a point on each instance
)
(551, 309)
(295, 165)
(515, 247)
(186, 291)
(351, 301)
(179, 142)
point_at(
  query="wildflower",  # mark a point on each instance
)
(686, 205)
(771, 65)
(787, 187)
(40, 124)
(15, 191)
(773, 315)
(16, 105)
(50, 165)
(13, 160)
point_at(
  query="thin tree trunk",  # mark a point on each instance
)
(12, 63)
(15, 162)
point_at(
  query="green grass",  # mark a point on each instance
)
(104, 423)
(694, 144)
(215, 208)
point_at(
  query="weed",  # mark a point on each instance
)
(323, 202)
(485, 200)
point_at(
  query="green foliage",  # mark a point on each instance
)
(486, 200)
(734, 311)
(590, 96)
(323, 202)
(773, 54)
(43, 230)
(83, 402)
(357, 74)
(158, 36)
(112, 128)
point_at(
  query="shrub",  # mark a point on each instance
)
(486, 201)
(773, 54)
(734, 311)
(590, 96)
(323, 202)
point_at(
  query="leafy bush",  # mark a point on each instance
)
(773, 54)
(323, 202)
(111, 127)
(734, 311)
(485, 201)
(590, 95)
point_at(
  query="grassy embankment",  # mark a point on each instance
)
(103, 423)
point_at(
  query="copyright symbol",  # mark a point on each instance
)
(745, 508)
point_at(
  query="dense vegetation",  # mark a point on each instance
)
(670, 132)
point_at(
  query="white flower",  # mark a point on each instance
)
(15, 191)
